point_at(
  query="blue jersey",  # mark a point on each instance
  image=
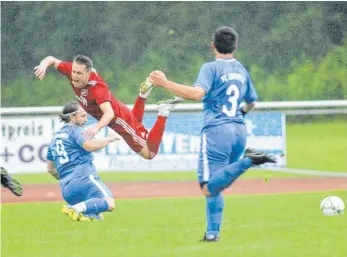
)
(67, 152)
(227, 84)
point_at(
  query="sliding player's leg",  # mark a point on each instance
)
(72, 192)
(97, 198)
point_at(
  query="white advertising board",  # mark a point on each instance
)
(25, 140)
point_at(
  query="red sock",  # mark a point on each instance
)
(139, 108)
(155, 136)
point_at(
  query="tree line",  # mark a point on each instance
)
(293, 50)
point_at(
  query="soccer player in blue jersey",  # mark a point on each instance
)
(70, 160)
(222, 85)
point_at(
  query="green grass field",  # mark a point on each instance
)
(153, 176)
(282, 225)
(319, 146)
(266, 225)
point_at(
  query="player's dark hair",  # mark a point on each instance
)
(85, 60)
(69, 108)
(225, 39)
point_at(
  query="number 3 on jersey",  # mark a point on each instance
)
(234, 93)
(61, 152)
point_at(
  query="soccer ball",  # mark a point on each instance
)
(332, 206)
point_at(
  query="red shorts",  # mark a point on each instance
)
(132, 131)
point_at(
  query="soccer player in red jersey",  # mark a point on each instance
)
(97, 100)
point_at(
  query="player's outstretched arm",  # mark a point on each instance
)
(108, 115)
(51, 169)
(97, 144)
(158, 78)
(40, 70)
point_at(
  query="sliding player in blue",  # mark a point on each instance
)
(222, 85)
(70, 160)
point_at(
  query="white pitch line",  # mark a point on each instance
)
(307, 172)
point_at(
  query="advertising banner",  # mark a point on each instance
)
(25, 140)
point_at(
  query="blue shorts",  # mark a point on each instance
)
(220, 146)
(84, 188)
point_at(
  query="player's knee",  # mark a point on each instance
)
(111, 203)
(147, 157)
(146, 153)
(204, 189)
(150, 157)
(205, 192)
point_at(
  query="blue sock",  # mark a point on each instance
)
(96, 205)
(226, 176)
(214, 214)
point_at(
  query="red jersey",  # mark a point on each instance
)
(95, 93)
